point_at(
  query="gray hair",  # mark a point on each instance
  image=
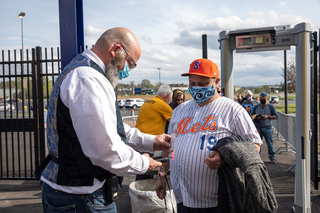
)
(164, 90)
(249, 92)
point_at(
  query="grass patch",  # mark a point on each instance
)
(291, 108)
(289, 97)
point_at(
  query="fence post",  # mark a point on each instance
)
(40, 103)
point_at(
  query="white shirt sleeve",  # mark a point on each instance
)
(91, 102)
(138, 140)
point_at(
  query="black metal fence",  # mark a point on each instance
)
(25, 84)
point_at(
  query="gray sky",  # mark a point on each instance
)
(169, 32)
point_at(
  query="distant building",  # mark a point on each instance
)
(183, 87)
(237, 87)
(275, 88)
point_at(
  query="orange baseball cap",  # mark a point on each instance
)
(203, 67)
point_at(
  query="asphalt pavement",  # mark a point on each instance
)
(25, 195)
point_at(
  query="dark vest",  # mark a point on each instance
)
(66, 163)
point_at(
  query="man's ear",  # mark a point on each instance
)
(168, 97)
(217, 80)
(114, 49)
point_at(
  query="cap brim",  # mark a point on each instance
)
(187, 74)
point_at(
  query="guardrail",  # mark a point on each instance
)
(285, 128)
(130, 120)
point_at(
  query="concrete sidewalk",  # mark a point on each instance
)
(25, 196)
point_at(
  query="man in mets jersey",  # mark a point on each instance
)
(198, 124)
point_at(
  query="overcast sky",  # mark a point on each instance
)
(169, 31)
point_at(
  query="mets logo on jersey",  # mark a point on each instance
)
(210, 123)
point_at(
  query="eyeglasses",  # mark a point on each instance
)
(134, 63)
(179, 99)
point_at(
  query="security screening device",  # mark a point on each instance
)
(270, 39)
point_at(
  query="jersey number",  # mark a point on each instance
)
(211, 140)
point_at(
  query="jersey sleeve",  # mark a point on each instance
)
(243, 125)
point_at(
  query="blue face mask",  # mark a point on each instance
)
(125, 72)
(202, 94)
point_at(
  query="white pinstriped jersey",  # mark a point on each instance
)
(197, 131)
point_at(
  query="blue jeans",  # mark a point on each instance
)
(267, 133)
(58, 201)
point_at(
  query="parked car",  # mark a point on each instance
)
(275, 98)
(134, 103)
(121, 103)
(4, 107)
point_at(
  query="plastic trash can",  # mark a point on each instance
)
(144, 198)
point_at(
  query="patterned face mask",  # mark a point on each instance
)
(202, 94)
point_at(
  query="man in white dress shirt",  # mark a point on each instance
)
(88, 144)
(198, 124)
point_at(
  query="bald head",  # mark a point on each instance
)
(112, 40)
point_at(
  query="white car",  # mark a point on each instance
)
(276, 99)
(121, 103)
(134, 103)
(8, 108)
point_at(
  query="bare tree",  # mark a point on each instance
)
(131, 85)
(291, 75)
(145, 84)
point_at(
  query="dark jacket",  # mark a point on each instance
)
(244, 183)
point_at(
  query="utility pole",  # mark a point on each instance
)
(159, 75)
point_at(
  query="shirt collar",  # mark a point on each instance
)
(95, 58)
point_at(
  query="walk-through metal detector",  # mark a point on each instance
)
(279, 38)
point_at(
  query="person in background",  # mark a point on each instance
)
(219, 90)
(272, 101)
(153, 116)
(244, 98)
(265, 112)
(198, 124)
(154, 113)
(250, 102)
(88, 144)
(239, 99)
(178, 97)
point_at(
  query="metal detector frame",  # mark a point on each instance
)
(282, 39)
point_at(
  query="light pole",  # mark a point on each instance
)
(159, 74)
(21, 15)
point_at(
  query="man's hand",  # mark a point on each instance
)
(214, 160)
(162, 142)
(161, 187)
(152, 163)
